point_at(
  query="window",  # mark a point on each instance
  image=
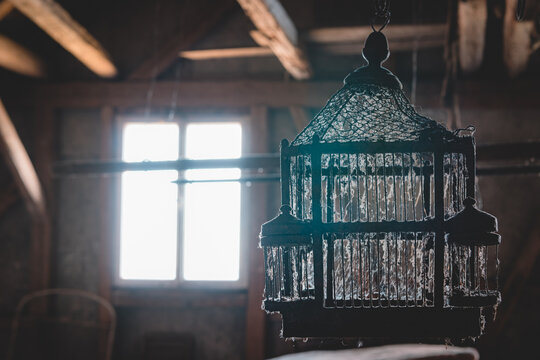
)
(180, 226)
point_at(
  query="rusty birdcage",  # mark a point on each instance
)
(372, 238)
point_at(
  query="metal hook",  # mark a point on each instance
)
(386, 22)
(381, 10)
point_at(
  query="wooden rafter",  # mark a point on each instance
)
(57, 22)
(5, 8)
(27, 181)
(272, 22)
(16, 58)
(20, 164)
(168, 54)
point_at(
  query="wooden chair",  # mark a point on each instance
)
(62, 324)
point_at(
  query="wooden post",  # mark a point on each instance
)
(257, 136)
(105, 193)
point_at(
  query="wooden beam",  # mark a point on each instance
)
(272, 21)
(20, 165)
(55, 21)
(28, 184)
(517, 45)
(209, 54)
(395, 46)
(5, 9)
(168, 54)
(258, 193)
(434, 33)
(15, 57)
(228, 94)
(246, 93)
(472, 20)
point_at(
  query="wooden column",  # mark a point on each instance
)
(107, 204)
(257, 138)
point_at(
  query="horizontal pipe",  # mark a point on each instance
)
(485, 153)
(103, 167)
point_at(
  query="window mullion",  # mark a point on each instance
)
(182, 124)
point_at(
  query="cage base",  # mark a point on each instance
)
(411, 323)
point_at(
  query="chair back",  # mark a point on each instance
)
(62, 324)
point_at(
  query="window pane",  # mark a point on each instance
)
(212, 210)
(148, 231)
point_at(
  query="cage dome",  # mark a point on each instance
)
(371, 106)
(366, 110)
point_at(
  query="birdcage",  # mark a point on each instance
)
(369, 190)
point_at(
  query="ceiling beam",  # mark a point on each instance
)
(5, 8)
(21, 166)
(273, 23)
(228, 53)
(57, 22)
(16, 58)
(394, 33)
(161, 60)
(472, 94)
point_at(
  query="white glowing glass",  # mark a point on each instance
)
(148, 224)
(211, 236)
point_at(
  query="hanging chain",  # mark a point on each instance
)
(381, 14)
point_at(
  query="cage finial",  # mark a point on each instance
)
(376, 49)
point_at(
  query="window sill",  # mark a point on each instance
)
(178, 298)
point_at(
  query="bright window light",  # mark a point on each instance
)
(211, 235)
(148, 230)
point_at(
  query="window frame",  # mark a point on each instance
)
(183, 120)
